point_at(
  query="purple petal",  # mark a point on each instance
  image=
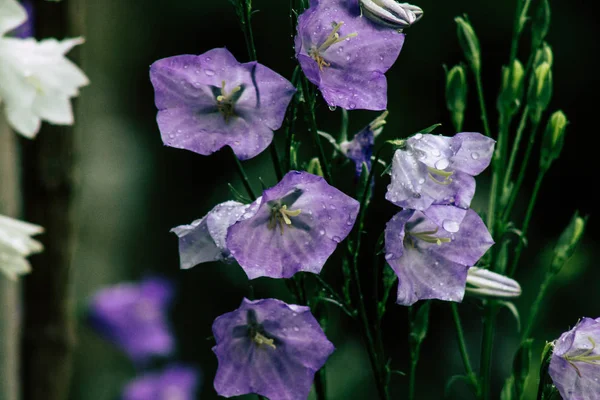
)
(360, 149)
(175, 382)
(326, 218)
(473, 152)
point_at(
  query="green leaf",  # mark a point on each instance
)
(521, 366)
(389, 278)
(513, 310)
(429, 129)
(419, 323)
(237, 196)
(508, 391)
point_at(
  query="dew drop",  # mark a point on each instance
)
(436, 152)
(442, 164)
(296, 329)
(389, 256)
(332, 207)
(450, 226)
(421, 181)
(475, 156)
(321, 232)
(352, 106)
(208, 59)
(336, 239)
(418, 136)
(209, 72)
(332, 108)
(347, 58)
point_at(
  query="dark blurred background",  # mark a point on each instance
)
(133, 189)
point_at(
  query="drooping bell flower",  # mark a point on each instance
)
(269, 348)
(133, 316)
(360, 148)
(16, 244)
(175, 382)
(211, 100)
(295, 226)
(434, 169)
(204, 239)
(575, 363)
(432, 251)
(346, 55)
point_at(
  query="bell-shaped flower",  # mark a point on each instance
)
(360, 148)
(16, 244)
(575, 363)
(134, 317)
(346, 55)
(269, 348)
(434, 169)
(295, 226)
(432, 251)
(204, 239)
(37, 81)
(175, 382)
(209, 101)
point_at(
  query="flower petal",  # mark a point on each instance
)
(12, 15)
(473, 152)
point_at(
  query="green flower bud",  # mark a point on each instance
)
(543, 54)
(456, 94)
(540, 23)
(568, 241)
(314, 167)
(469, 42)
(554, 138)
(540, 90)
(511, 90)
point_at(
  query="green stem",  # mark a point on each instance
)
(290, 122)
(520, 19)
(344, 128)
(535, 307)
(462, 344)
(247, 28)
(487, 346)
(276, 162)
(244, 177)
(484, 118)
(497, 174)
(412, 378)
(515, 148)
(320, 384)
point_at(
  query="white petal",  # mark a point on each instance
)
(23, 120)
(12, 14)
(56, 110)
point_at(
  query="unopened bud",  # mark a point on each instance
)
(511, 91)
(540, 91)
(483, 282)
(554, 138)
(469, 42)
(391, 13)
(540, 23)
(456, 94)
(543, 54)
(568, 241)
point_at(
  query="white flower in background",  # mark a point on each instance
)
(16, 244)
(37, 81)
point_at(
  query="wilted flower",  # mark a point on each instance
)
(295, 226)
(432, 251)
(16, 244)
(434, 169)
(209, 101)
(575, 364)
(269, 348)
(37, 81)
(204, 239)
(134, 317)
(176, 382)
(360, 148)
(391, 13)
(346, 55)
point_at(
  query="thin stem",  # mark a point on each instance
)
(276, 162)
(412, 378)
(515, 148)
(290, 122)
(244, 177)
(320, 384)
(310, 110)
(487, 346)
(247, 28)
(535, 307)
(462, 344)
(345, 306)
(484, 118)
(344, 127)
(520, 19)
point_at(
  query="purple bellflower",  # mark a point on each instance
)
(575, 364)
(134, 317)
(295, 226)
(204, 239)
(432, 251)
(26, 29)
(176, 382)
(360, 148)
(269, 348)
(434, 169)
(209, 101)
(346, 55)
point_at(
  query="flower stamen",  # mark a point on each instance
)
(280, 216)
(427, 236)
(333, 38)
(226, 101)
(445, 174)
(584, 357)
(260, 340)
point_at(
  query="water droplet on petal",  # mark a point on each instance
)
(332, 108)
(421, 181)
(451, 226)
(475, 156)
(296, 329)
(418, 136)
(352, 106)
(389, 256)
(337, 239)
(321, 232)
(209, 72)
(436, 152)
(442, 164)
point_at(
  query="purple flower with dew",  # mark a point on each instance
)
(204, 239)
(209, 101)
(295, 226)
(434, 169)
(176, 382)
(575, 363)
(432, 251)
(269, 348)
(134, 317)
(346, 55)
(360, 148)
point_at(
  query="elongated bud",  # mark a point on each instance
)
(485, 283)
(543, 54)
(511, 91)
(554, 138)
(469, 42)
(540, 91)
(314, 167)
(391, 13)
(540, 23)
(568, 241)
(456, 94)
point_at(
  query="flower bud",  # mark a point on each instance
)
(568, 241)
(511, 90)
(391, 13)
(543, 54)
(456, 94)
(540, 90)
(483, 282)
(469, 42)
(540, 23)
(554, 138)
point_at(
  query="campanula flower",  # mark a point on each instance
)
(37, 81)
(134, 317)
(295, 226)
(176, 382)
(16, 244)
(209, 101)
(204, 239)
(346, 55)
(432, 251)
(391, 13)
(434, 169)
(575, 363)
(269, 348)
(360, 148)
